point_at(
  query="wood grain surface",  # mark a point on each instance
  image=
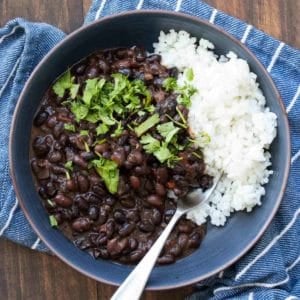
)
(27, 274)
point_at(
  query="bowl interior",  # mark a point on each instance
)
(221, 246)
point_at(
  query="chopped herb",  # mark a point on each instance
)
(53, 221)
(186, 92)
(99, 142)
(170, 84)
(63, 83)
(181, 115)
(69, 127)
(141, 113)
(69, 165)
(150, 108)
(189, 74)
(90, 90)
(84, 132)
(118, 131)
(197, 155)
(177, 123)
(150, 144)
(74, 90)
(146, 125)
(86, 147)
(79, 110)
(50, 203)
(203, 139)
(109, 172)
(68, 175)
(167, 130)
(102, 129)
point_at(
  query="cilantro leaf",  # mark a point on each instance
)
(170, 84)
(189, 74)
(79, 110)
(62, 84)
(150, 144)
(69, 127)
(53, 221)
(84, 132)
(102, 129)
(147, 124)
(90, 90)
(69, 165)
(74, 90)
(167, 130)
(109, 172)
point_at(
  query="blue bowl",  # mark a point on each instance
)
(221, 246)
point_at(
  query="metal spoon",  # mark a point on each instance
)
(133, 286)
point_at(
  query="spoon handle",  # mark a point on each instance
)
(134, 284)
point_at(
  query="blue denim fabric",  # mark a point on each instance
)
(271, 270)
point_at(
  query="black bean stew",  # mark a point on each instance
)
(111, 152)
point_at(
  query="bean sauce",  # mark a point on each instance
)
(120, 225)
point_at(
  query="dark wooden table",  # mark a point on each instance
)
(26, 274)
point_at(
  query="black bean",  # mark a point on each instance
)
(119, 216)
(81, 202)
(156, 216)
(185, 228)
(135, 157)
(194, 240)
(103, 253)
(110, 228)
(103, 66)
(153, 58)
(175, 250)
(136, 255)
(127, 202)
(80, 69)
(92, 72)
(122, 63)
(83, 183)
(101, 148)
(40, 146)
(55, 156)
(135, 182)
(118, 156)
(133, 215)
(168, 214)
(125, 71)
(58, 129)
(93, 212)
(79, 161)
(126, 229)
(40, 118)
(160, 189)
(182, 240)
(101, 240)
(162, 175)
(116, 246)
(82, 243)
(81, 224)
(63, 200)
(132, 243)
(87, 155)
(51, 121)
(155, 200)
(166, 259)
(103, 215)
(146, 227)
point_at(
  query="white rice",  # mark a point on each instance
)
(231, 109)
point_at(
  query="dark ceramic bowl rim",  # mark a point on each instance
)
(234, 41)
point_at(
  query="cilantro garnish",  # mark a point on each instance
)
(167, 130)
(69, 127)
(69, 165)
(146, 125)
(102, 129)
(189, 74)
(65, 82)
(53, 221)
(109, 172)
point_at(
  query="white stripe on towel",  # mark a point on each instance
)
(251, 297)
(178, 5)
(291, 298)
(246, 33)
(295, 157)
(100, 9)
(290, 106)
(35, 244)
(271, 244)
(213, 16)
(261, 284)
(9, 34)
(10, 76)
(10, 216)
(220, 275)
(140, 4)
(275, 56)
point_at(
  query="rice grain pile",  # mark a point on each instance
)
(230, 120)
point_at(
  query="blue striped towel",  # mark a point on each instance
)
(271, 270)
